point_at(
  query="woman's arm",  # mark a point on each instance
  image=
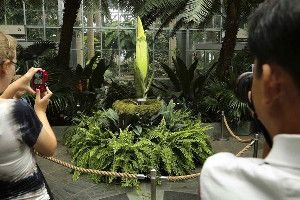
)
(46, 143)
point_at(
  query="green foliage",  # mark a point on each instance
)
(187, 81)
(182, 12)
(174, 119)
(126, 37)
(93, 72)
(170, 149)
(32, 53)
(74, 91)
(133, 113)
(117, 91)
(219, 96)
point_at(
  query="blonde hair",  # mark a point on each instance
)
(8, 46)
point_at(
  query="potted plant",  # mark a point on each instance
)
(141, 107)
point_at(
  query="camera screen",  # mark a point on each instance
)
(38, 78)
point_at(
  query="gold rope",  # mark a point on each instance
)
(94, 171)
(232, 134)
(245, 149)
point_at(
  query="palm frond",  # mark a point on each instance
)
(184, 12)
(95, 5)
(155, 9)
(169, 17)
(198, 11)
(132, 6)
(35, 50)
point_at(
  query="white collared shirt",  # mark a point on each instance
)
(225, 176)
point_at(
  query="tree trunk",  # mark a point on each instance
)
(71, 8)
(90, 35)
(229, 42)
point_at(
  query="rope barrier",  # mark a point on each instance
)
(232, 134)
(132, 176)
(142, 176)
(94, 171)
(180, 178)
(245, 149)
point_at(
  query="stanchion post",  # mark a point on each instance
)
(153, 184)
(255, 146)
(222, 127)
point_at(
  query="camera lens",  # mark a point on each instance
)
(243, 86)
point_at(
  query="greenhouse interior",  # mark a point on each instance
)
(144, 92)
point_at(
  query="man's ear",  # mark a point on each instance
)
(272, 82)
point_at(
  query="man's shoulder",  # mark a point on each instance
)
(228, 162)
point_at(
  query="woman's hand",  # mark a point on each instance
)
(21, 85)
(42, 100)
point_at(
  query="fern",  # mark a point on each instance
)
(167, 147)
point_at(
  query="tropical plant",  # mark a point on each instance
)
(116, 91)
(180, 12)
(220, 96)
(141, 62)
(187, 81)
(32, 53)
(96, 142)
(93, 73)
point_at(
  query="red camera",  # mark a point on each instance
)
(39, 80)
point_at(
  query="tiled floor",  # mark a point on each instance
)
(60, 181)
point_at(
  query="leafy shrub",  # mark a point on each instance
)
(171, 148)
(117, 91)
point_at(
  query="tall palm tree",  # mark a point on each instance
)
(95, 9)
(71, 8)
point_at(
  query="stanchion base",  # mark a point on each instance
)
(223, 139)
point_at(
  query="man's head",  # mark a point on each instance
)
(7, 59)
(274, 40)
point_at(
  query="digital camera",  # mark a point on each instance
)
(243, 86)
(242, 89)
(39, 80)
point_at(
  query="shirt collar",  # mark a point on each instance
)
(285, 151)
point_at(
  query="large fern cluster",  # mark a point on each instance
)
(175, 147)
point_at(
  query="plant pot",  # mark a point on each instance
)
(137, 111)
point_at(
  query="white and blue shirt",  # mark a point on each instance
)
(19, 130)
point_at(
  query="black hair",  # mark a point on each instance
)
(274, 35)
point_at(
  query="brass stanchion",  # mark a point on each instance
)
(255, 148)
(222, 138)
